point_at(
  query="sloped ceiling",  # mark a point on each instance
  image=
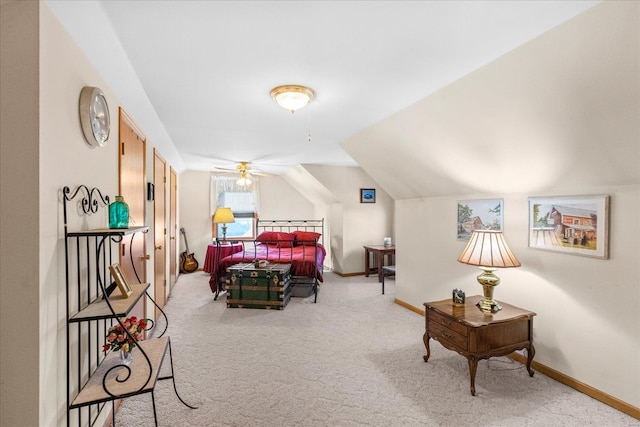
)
(564, 100)
(309, 186)
(196, 75)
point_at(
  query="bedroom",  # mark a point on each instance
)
(575, 311)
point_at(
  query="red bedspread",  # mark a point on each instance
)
(300, 257)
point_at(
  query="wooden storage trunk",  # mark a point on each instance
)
(266, 287)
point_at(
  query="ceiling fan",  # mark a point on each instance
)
(245, 172)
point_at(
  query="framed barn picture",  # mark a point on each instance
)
(479, 215)
(576, 225)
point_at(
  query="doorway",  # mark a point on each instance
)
(131, 158)
(173, 228)
(160, 230)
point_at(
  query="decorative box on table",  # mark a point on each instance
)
(266, 287)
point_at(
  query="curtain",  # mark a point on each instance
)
(228, 184)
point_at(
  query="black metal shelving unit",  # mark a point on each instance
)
(95, 377)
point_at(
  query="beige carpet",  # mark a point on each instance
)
(352, 359)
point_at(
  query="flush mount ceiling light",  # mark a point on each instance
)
(292, 97)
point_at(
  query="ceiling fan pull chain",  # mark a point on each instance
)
(309, 126)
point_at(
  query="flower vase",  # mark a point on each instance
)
(126, 357)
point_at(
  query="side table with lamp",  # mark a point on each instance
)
(481, 327)
(220, 248)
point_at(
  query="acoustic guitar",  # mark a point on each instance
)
(188, 263)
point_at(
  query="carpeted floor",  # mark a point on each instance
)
(352, 359)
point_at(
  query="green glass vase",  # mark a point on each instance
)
(119, 213)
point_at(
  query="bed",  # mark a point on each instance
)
(296, 242)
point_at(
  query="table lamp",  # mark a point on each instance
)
(223, 216)
(488, 250)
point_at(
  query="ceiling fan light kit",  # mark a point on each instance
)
(243, 169)
(243, 182)
(245, 172)
(292, 97)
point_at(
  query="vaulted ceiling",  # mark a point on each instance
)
(196, 75)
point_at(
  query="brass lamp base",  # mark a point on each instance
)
(489, 281)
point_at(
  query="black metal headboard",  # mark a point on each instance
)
(289, 225)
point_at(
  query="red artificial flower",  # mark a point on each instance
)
(125, 338)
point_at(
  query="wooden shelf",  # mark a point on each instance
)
(108, 231)
(94, 392)
(99, 309)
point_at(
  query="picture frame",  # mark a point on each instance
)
(482, 214)
(575, 225)
(458, 297)
(121, 280)
(367, 195)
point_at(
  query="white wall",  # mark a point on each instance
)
(556, 116)
(354, 224)
(64, 70)
(193, 203)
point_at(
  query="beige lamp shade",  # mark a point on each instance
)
(488, 248)
(223, 216)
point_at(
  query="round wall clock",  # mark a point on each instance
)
(94, 116)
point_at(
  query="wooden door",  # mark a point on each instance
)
(160, 230)
(173, 228)
(132, 178)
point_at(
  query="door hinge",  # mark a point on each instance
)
(122, 148)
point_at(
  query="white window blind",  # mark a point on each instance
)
(241, 204)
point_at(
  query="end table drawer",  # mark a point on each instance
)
(447, 322)
(440, 333)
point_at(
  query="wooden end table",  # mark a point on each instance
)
(379, 253)
(477, 335)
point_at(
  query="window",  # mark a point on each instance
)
(243, 207)
(244, 203)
